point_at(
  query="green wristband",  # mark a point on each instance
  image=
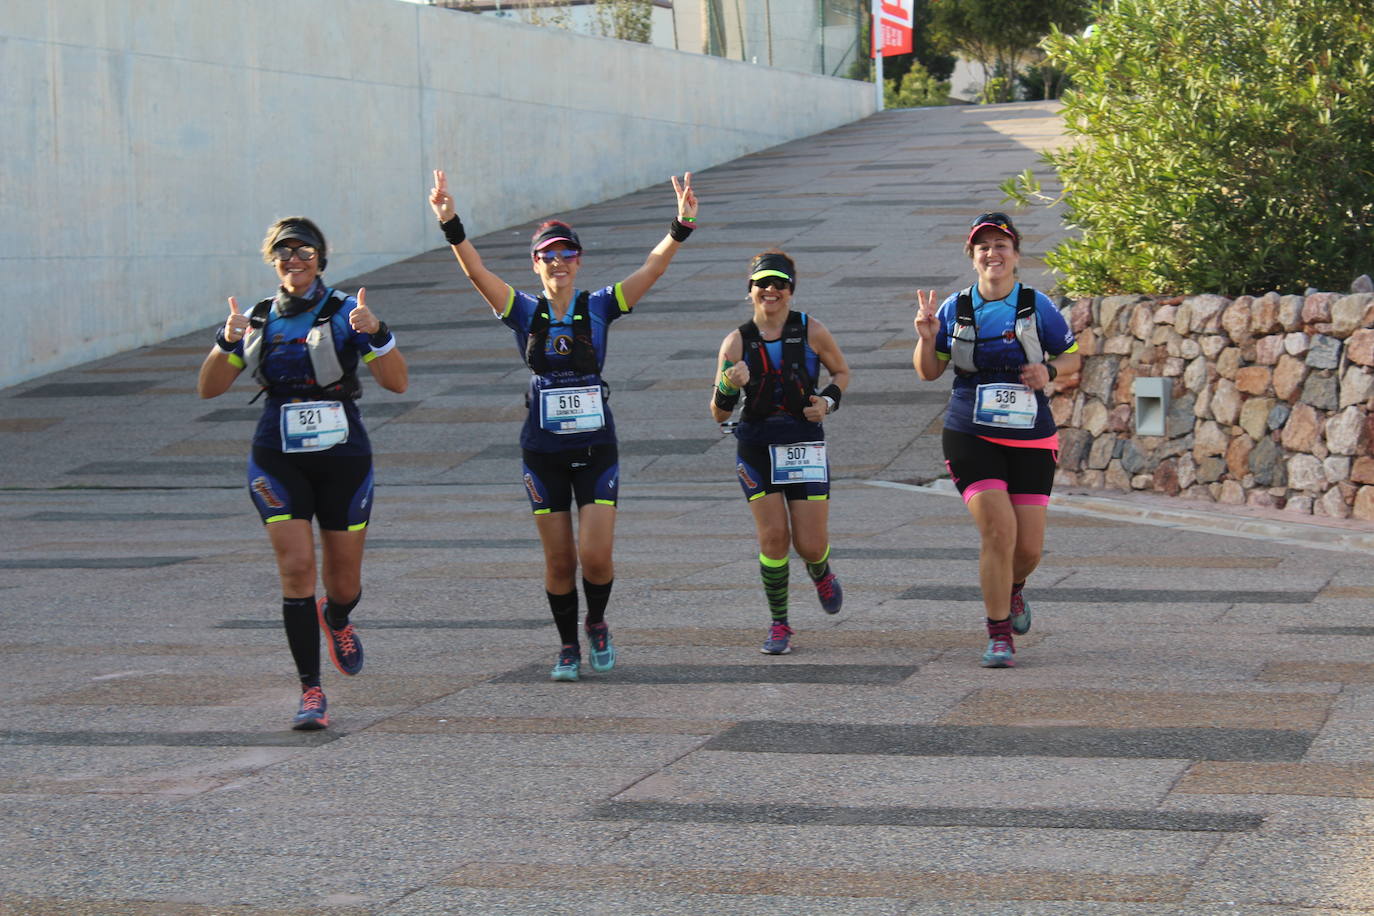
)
(723, 385)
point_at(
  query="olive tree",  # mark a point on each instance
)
(1217, 146)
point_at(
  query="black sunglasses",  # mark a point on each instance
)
(773, 283)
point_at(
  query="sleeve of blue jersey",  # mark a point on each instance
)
(608, 303)
(1055, 334)
(945, 314)
(519, 312)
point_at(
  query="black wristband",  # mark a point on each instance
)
(725, 401)
(679, 230)
(381, 336)
(453, 231)
(224, 343)
(833, 392)
(1054, 373)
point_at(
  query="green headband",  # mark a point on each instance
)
(769, 273)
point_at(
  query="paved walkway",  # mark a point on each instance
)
(1188, 729)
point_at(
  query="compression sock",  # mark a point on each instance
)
(1017, 586)
(999, 627)
(336, 615)
(564, 609)
(818, 569)
(597, 596)
(303, 636)
(774, 573)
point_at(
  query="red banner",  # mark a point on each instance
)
(894, 25)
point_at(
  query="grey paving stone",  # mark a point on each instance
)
(848, 816)
(92, 562)
(927, 740)
(735, 674)
(169, 739)
(373, 624)
(1120, 595)
(83, 390)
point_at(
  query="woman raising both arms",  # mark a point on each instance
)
(568, 441)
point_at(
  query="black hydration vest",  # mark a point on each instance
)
(964, 335)
(765, 379)
(342, 384)
(583, 350)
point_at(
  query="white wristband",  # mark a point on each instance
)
(385, 348)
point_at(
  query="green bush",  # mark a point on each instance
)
(917, 89)
(1218, 146)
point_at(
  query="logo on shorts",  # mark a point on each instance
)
(743, 473)
(534, 494)
(263, 491)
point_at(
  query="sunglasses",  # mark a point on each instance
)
(773, 283)
(563, 254)
(286, 252)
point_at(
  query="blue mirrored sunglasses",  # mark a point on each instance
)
(562, 254)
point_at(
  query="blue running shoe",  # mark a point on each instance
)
(313, 713)
(345, 649)
(603, 651)
(1020, 614)
(999, 653)
(569, 661)
(777, 643)
(830, 593)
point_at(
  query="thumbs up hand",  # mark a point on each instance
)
(236, 325)
(361, 318)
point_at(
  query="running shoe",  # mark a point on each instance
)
(999, 653)
(569, 661)
(779, 635)
(345, 649)
(313, 713)
(830, 593)
(1020, 614)
(603, 651)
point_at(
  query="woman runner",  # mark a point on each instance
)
(568, 441)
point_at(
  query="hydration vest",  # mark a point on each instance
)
(766, 378)
(964, 335)
(584, 360)
(319, 344)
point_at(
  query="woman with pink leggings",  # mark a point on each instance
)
(1006, 343)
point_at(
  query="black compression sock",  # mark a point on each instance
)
(303, 636)
(336, 615)
(564, 609)
(597, 596)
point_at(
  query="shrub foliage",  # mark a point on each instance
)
(1219, 146)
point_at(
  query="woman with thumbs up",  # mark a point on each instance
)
(311, 457)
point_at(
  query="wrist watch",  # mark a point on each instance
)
(829, 403)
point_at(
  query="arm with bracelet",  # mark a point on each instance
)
(827, 400)
(684, 223)
(491, 287)
(730, 378)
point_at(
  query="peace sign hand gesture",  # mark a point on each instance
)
(686, 197)
(440, 199)
(927, 325)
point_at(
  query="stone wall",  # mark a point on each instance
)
(1271, 399)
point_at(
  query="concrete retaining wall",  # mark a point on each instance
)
(147, 144)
